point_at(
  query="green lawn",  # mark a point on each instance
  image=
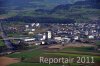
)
(96, 58)
(33, 64)
(33, 56)
(39, 64)
(36, 53)
(81, 49)
(39, 53)
(26, 54)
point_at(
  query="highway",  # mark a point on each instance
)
(3, 35)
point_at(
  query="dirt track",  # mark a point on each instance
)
(70, 45)
(4, 61)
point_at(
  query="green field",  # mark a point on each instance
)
(33, 56)
(39, 64)
(27, 54)
(82, 49)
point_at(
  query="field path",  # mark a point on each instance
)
(4, 61)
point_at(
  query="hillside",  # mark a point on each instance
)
(79, 11)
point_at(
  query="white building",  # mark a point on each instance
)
(27, 26)
(76, 38)
(29, 39)
(91, 37)
(66, 39)
(33, 30)
(33, 24)
(49, 35)
(37, 24)
(44, 36)
(58, 38)
(30, 33)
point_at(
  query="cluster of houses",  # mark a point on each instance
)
(59, 33)
(63, 33)
(79, 31)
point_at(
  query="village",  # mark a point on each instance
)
(64, 33)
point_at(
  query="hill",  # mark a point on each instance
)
(79, 11)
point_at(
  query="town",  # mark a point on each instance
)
(63, 33)
(48, 34)
(71, 38)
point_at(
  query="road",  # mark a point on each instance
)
(3, 35)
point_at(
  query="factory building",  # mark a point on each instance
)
(49, 35)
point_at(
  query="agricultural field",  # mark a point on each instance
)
(32, 57)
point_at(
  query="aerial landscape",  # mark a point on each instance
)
(49, 32)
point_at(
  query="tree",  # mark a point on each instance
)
(97, 44)
(22, 58)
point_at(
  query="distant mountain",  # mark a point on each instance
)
(62, 7)
(52, 10)
(43, 11)
(79, 4)
(89, 3)
(35, 4)
(37, 19)
(81, 11)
